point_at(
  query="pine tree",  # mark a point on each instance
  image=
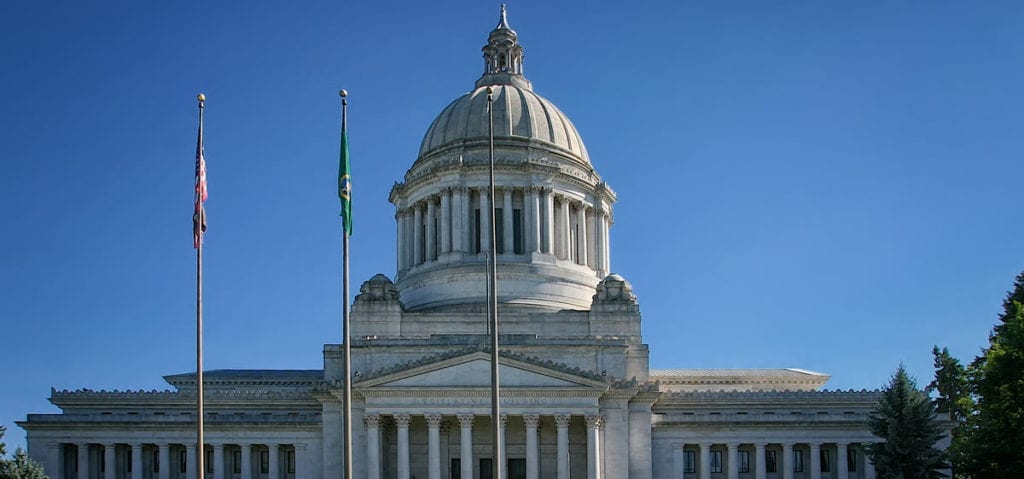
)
(951, 384)
(993, 445)
(21, 467)
(906, 421)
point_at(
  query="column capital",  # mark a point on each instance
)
(465, 419)
(190, 446)
(593, 420)
(760, 445)
(402, 420)
(732, 445)
(371, 420)
(504, 419)
(842, 444)
(459, 188)
(531, 419)
(433, 420)
(113, 444)
(705, 445)
(534, 188)
(562, 420)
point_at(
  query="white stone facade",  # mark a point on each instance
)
(578, 397)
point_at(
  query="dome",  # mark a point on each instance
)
(519, 115)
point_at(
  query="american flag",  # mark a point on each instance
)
(199, 217)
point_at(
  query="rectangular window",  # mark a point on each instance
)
(716, 461)
(769, 461)
(824, 455)
(516, 467)
(486, 468)
(290, 458)
(851, 460)
(798, 461)
(209, 461)
(236, 462)
(499, 229)
(103, 461)
(455, 472)
(264, 462)
(128, 459)
(689, 461)
(476, 231)
(744, 461)
(517, 231)
(181, 461)
(156, 461)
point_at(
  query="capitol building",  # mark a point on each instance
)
(578, 398)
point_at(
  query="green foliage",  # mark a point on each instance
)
(992, 443)
(905, 418)
(951, 384)
(21, 467)
(3, 447)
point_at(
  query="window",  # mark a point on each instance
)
(181, 461)
(744, 461)
(128, 459)
(851, 460)
(516, 467)
(209, 461)
(476, 231)
(290, 459)
(499, 229)
(825, 466)
(769, 461)
(689, 461)
(156, 461)
(455, 472)
(103, 461)
(517, 231)
(486, 468)
(236, 462)
(716, 461)
(264, 462)
(798, 461)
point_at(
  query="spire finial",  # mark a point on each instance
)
(503, 21)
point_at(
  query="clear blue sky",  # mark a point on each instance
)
(834, 187)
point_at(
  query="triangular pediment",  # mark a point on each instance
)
(473, 370)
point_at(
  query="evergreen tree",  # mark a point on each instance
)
(993, 445)
(906, 421)
(951, 384)
(21, 467)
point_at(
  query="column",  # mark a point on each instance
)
(761, 469)
(869, 467)
(678, 461)
(137, 461)
(300, 461)
(787, 460)
(593, 446)
(842, 468)
(549, 222)
(533, 204)
(446, 220)
(562, 459)
(704, 463)
(372, 422)
(506, 213)
(218, 461)
(458, 218)
(433, 446)
(431, 253)
(598, 222)
(485, 221)
(502, 462)
(273, 458)
(733, 460)
(109, 461)
(581, 234)
(190, 462)
(246, 460)
(83, 461)
(417, 235)
(399, 228)
(815, 472)
(466, 444)
(402, 423)
(163, 461)
(605, 248)
(532, 453)
(563, 215)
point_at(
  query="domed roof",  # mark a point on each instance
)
(519, 113)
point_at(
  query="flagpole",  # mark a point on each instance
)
(346, 346)
(492, 300)
(200, 449)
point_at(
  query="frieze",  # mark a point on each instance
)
(453, 353)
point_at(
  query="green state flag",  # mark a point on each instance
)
(345, 184)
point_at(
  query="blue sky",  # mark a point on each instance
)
(828, 186)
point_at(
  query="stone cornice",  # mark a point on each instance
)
(773, 398)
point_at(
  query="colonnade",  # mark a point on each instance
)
(153, 460)
(533, 220)
(789, 463)
(465, 422)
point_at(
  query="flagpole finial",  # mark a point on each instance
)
(201, 97)
(343, 93)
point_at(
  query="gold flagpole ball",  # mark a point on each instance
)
(201, 97)
(343, 93)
